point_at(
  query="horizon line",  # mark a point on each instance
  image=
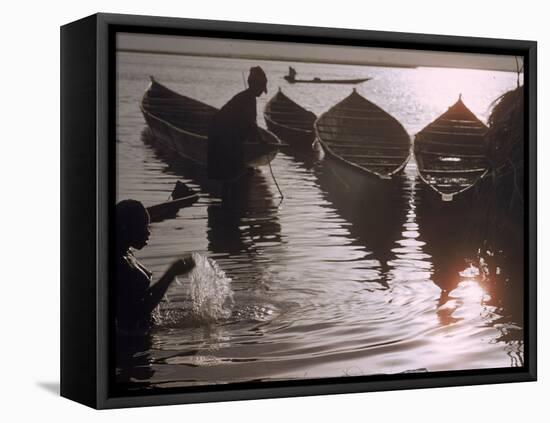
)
(298, 60)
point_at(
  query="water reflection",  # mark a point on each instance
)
(372, 206)
(354, 268)
(245, 225)
(480, 286)
(409, 262)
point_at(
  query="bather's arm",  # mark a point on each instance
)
(155, 293)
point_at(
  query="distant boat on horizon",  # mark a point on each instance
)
(291, 79)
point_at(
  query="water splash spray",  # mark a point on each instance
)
(210, 290)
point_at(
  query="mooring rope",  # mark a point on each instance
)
(270, 169)
(276, 184)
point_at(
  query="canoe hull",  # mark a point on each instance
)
(296, 138)
(326, 81)
(451, 152)
(192, 143)
(359, 134)
(359, 187)
(186, 145)
(290, 121)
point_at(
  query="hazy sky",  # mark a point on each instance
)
(267, 50)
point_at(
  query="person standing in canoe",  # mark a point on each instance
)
(136, 295)
(233, 126)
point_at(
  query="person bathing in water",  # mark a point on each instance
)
(234, 125)
(136, 295)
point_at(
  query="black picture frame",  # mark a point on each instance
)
(87, 202)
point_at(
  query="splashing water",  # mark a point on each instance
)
(210, 290)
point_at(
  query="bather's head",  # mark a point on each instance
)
(132, 223)
(257, 81)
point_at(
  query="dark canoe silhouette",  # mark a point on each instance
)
(362, 136)
(182, 196)
(290, 121)
(181, 124)
(291, 80)
(451, 153)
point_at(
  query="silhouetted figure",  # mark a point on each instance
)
(136, 296)
(233, 126)
(291, 73)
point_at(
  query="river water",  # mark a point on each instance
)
(319, 290)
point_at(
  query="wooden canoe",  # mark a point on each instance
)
(325, 81)
(290, 121)
(451, 153)
(364, 137)
(181, 124)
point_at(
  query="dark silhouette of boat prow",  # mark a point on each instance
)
(181, 197)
